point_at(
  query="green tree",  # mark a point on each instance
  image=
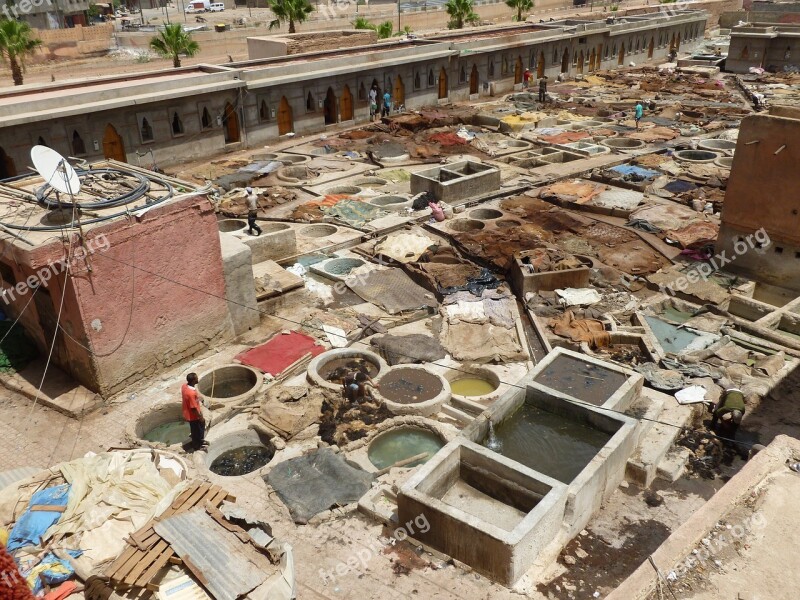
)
(362, 23)
(521, 6)
(405, 31)
(16, 42)
(289, 10)
(174, 41)
(461, 12)
(384, 30)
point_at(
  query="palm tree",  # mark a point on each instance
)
(362, 23)
(16, 42)
(174, 41)
(289, 10)
(521, 6)
(405, 31)
(384, 30)
(461, 12)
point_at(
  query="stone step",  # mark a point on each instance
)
(655, 443)
(673, 465)
(460, 416)
(646, 409)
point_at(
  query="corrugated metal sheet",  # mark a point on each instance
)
(230, 568)
(8, 478)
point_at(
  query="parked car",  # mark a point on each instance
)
(216, 7)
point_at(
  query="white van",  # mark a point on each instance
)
(216, 7)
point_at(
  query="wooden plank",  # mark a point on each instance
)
(151, 572)
(129, 564)
(48, 508)
(121, 559)
(148, 542)
(194, 498)
(154, 554)
(175, 560)
(143, 532)
(218, 498)
(184, 495)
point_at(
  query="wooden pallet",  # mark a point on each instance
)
(147, 553)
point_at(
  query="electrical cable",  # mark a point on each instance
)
(449, 367)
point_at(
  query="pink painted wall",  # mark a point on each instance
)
(137, 321)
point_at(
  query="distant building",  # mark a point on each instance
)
(49, 14)
(198, 111)
(762, 196)
(769, 46)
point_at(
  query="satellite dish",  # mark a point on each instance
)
(55, 170)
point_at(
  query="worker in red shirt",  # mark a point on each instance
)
(192, 412)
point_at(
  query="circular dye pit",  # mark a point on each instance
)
(295, 174)
(231, 225)
(726, 162)
(318, 231)
(371, 182)
(413, 390)
(239, 453)
(465, 225)
(329, 368)
(266, 156)
(349, 190)
(717, 145)
(293, 159)
(342, 266)
(473, 383)
(517, 144)
(401, 443)
(622, 143)
(230, 383)
(507, 223)
(472, 386)
(273, 227)
(697, 156)
(163, 424)
(389, 201)
(170, 433)
(485, 214)
(587, 124)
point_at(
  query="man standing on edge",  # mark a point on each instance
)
(637, 116)
(252, 211)
(542, 88)
(373, 102)
(387, 104)
(192, 412)
(526, 78)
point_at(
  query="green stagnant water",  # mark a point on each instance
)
(398, 444)
(174, 432)
(241, 461)
(556, 446)
(675, 315)
(472, 386)
(669, 336)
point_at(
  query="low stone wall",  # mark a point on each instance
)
(74, 42)
(297, 43)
